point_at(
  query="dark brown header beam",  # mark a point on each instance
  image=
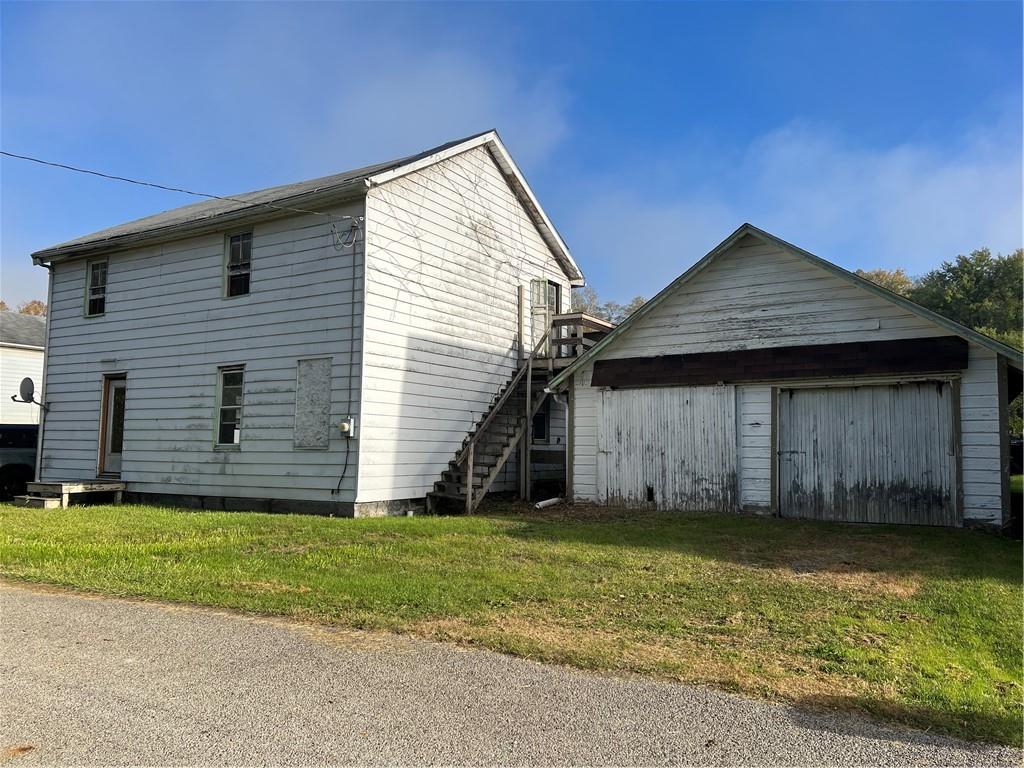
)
(860, 358)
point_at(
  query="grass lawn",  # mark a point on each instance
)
(1017, 484)
(918, 625)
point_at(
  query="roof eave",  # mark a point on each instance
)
(1012, 356)
(256, 212)
(14, 345)
(647, 308)
(517, 182)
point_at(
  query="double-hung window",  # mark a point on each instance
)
(239, 264)
(229, 405)
(95, 287)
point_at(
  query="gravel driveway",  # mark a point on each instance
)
(102, 681)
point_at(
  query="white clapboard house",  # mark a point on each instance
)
(766, 379)
(354, 344)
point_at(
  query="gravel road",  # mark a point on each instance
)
(91, 681)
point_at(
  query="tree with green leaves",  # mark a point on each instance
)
(895, 280)
(980, 291)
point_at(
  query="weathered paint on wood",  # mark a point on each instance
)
(810, 361)
(168, 327)
(448, 249)
(671, 448)
(871, 454)
(756, 296)
(754, 414)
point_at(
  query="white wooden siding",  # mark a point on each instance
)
(586, 402)
(757, 295)
(754, 416)
(673, 446)
(980, 437)
(15, 365)
(447, 249)
(169, 328)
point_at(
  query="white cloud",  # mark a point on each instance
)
(911, 205)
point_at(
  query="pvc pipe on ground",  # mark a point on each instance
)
(547, 503)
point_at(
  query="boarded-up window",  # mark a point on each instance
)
(313, 403)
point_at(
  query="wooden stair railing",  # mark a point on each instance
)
(487, 448)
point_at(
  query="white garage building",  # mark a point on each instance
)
(767, 379)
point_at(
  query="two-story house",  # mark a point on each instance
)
(346, 345)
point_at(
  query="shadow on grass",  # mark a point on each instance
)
(838, 714)
(805, 546)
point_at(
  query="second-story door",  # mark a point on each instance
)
(546, 301)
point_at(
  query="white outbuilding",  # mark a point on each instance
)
(766, 379)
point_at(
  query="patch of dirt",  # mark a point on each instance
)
(562, 512)
(16, 750)
(275, 587)
(761, 671)
(292, 549)
(848, 576)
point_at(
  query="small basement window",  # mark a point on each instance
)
(542, 422)
(229, 405)
(239, 264)
(95, 287)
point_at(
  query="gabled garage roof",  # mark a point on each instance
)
(212, 215)
(1012, 355)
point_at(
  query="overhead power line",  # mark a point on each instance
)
(165, 187)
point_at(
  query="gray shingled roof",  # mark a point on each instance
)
(25, 330)
(198, 213)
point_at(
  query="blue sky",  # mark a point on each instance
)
(873, 134)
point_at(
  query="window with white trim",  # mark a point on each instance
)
(238, 265)
(231, 380)
(96, 287)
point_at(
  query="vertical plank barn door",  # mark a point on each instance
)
(669, 447)
(870, 454)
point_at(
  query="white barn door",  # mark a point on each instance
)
(670, 447)
(871, 454)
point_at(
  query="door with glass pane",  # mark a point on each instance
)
(115, 391)
(545, 303)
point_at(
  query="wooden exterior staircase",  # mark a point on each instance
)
(490, 444)
(507, 424)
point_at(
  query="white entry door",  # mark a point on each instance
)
(112, 443)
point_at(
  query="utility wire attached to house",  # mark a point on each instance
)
(338, 240)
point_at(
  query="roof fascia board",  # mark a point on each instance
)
(647, 308)
(1013, 356)
(516, 181)
(250, 214)
(12, 345)
(425, 162)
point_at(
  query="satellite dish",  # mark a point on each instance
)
(27, 390)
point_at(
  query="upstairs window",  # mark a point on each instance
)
(229, 405)
(239, 264)
(95, 287)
